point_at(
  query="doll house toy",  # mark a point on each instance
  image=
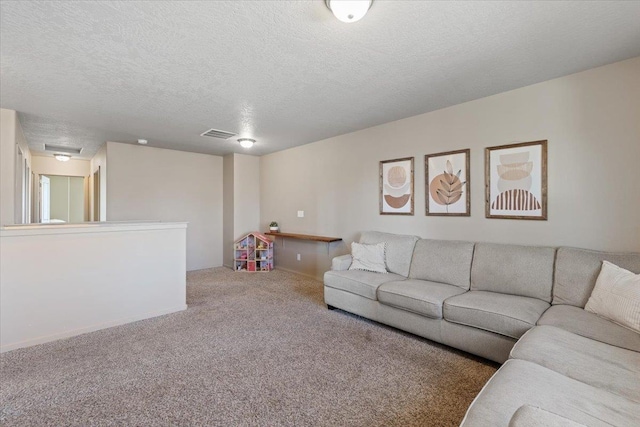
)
(253, 252)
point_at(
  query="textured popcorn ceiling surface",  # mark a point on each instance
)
(283, 72)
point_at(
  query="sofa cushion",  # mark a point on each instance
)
(368, 257)
(399, 249)
(531, 416)
(511, 269)
(509, 315)
(581, 322)
(601, 365)
(519, 382)
(363, 283)
(442, 261)
(577, 271)
(616, 296)
(419, 296)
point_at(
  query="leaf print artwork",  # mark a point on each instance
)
(447, 183)
(446, 188)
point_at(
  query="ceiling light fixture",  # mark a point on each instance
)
(246, 142)
(62, 157)
(349, 10)
(142, 141)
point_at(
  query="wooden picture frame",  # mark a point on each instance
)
(447, 183)
(516, 181)
(396, 186)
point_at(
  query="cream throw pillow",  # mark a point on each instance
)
(368, 257)
(616, 296)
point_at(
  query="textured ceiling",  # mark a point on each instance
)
(285, 73)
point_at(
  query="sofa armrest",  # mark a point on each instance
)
(341, 263)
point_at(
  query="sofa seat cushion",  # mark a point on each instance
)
(508, 315)
(519, 382)
(598, 364)
(531, 416)
(419, 296)
(363, 283)
(581, 322)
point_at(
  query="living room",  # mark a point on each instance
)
(325, 102)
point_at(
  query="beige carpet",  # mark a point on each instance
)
(252, 349)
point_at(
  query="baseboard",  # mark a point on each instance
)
(92, 328)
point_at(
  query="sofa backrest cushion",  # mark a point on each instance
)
(577, 271)
(512, 269)
(398, 252)
(444, 261)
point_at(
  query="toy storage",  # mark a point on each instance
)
(253, 252)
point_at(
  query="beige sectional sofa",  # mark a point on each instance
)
(518, 305)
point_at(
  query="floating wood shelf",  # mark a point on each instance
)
(305, 237)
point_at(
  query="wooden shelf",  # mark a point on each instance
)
(304, 237)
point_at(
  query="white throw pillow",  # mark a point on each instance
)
(368, 257)
(616, 296)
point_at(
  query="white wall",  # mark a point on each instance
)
(146, 183)
(88, 277)
(591, 120)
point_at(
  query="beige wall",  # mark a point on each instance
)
(228, 232)
(146, 183)
(48, 165)
(241, 199)
(246, 198)
(7, 165)
(591, 120)
(99, 162)
(11, 136)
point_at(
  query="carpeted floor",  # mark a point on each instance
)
(252, 349)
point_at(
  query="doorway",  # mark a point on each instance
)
(62, 199)
(96, 195)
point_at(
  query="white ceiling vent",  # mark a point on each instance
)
(221, 134)
(62, 149)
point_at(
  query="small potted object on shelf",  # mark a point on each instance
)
(273, 227)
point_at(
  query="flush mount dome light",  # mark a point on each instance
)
(349, 10)
(246, 142)
(62, 157)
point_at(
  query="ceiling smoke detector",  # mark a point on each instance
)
(143, 141)
(246, 142)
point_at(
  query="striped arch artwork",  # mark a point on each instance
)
(516, 181)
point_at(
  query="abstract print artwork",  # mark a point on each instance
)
(396, 187)
(447, 183)
(516, 181)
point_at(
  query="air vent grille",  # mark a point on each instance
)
(221, 134)
(62, 149)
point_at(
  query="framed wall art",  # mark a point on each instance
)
(396, 187)
(516, 181)
(447, 183)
